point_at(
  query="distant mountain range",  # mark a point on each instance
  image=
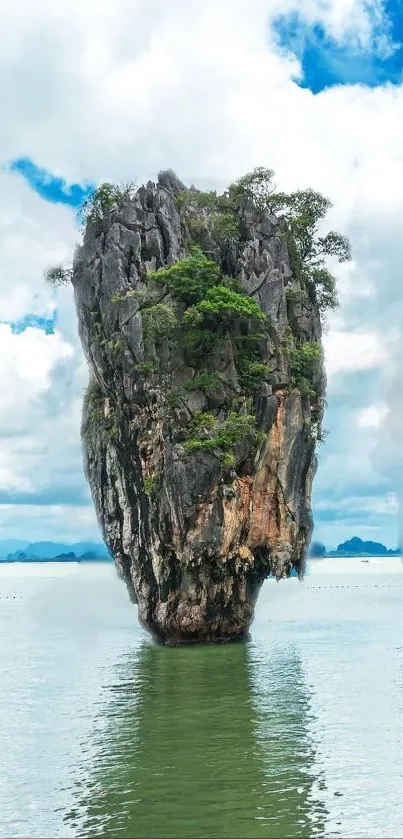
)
(16, 550)
(353, 547)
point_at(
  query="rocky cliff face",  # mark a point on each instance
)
(200, 464)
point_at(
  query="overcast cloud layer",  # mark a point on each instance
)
(122, 88)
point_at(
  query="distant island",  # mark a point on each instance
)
(16, 550)
(52, 552)
(352, 548)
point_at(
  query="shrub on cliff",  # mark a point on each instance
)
(223, 303)
(303, 212)
(252, 372)
(224, 227)
(209, 213)
(190, 278)
(217, 307)
(325, 287)
(159, 321)
(255, 187)
(207, 433)
(57, 275)
(303, 364)
(222, 310)
(204, 381)
(95, 208)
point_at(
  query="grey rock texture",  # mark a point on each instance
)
(192, 541)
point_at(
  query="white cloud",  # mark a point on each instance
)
(142, 84)
(387, 505)
(347, 351)
(373, 416)
(354, 281)
(26, 362)
(62, 522)
(42, 378)
(33, 235)
(120, 89)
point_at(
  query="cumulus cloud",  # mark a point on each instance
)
(350, 351)
(130, 87)
(26, 362)
(373, 416)
(33, 234)
(40, 402)
(42, 376)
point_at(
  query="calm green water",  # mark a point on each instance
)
(296, 734)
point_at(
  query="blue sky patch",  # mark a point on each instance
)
(48, 186)
(326, 62)
(35, 321)
(75, 495)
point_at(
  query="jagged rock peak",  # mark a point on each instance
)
(168, 179)
(204, 403)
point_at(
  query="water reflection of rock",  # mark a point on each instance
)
(283, 712)
(192, 746)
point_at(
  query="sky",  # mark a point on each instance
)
(120, 89)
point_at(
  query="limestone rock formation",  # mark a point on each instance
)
(200, 457)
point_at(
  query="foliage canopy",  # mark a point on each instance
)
(256, 187)
(226, 305)
(102, 199)
(190, 278)
(159, 321)
(303, 364)
(207, 433)
(303, 212)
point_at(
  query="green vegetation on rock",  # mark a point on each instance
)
(200, 199)
(204, 381)
(225, 226)
(303, 365)
(207, 433)
(93, 406)
(221, 313)
(159, 322)
(297, 295)
(302, 212)
(217, 310)
(203, 312)
(103, 199)
(98, 422)
(251, 372)
(209, 213)
(151, 485)
(190, 278)
(255, 187)
(146, 367)
(227, 307)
